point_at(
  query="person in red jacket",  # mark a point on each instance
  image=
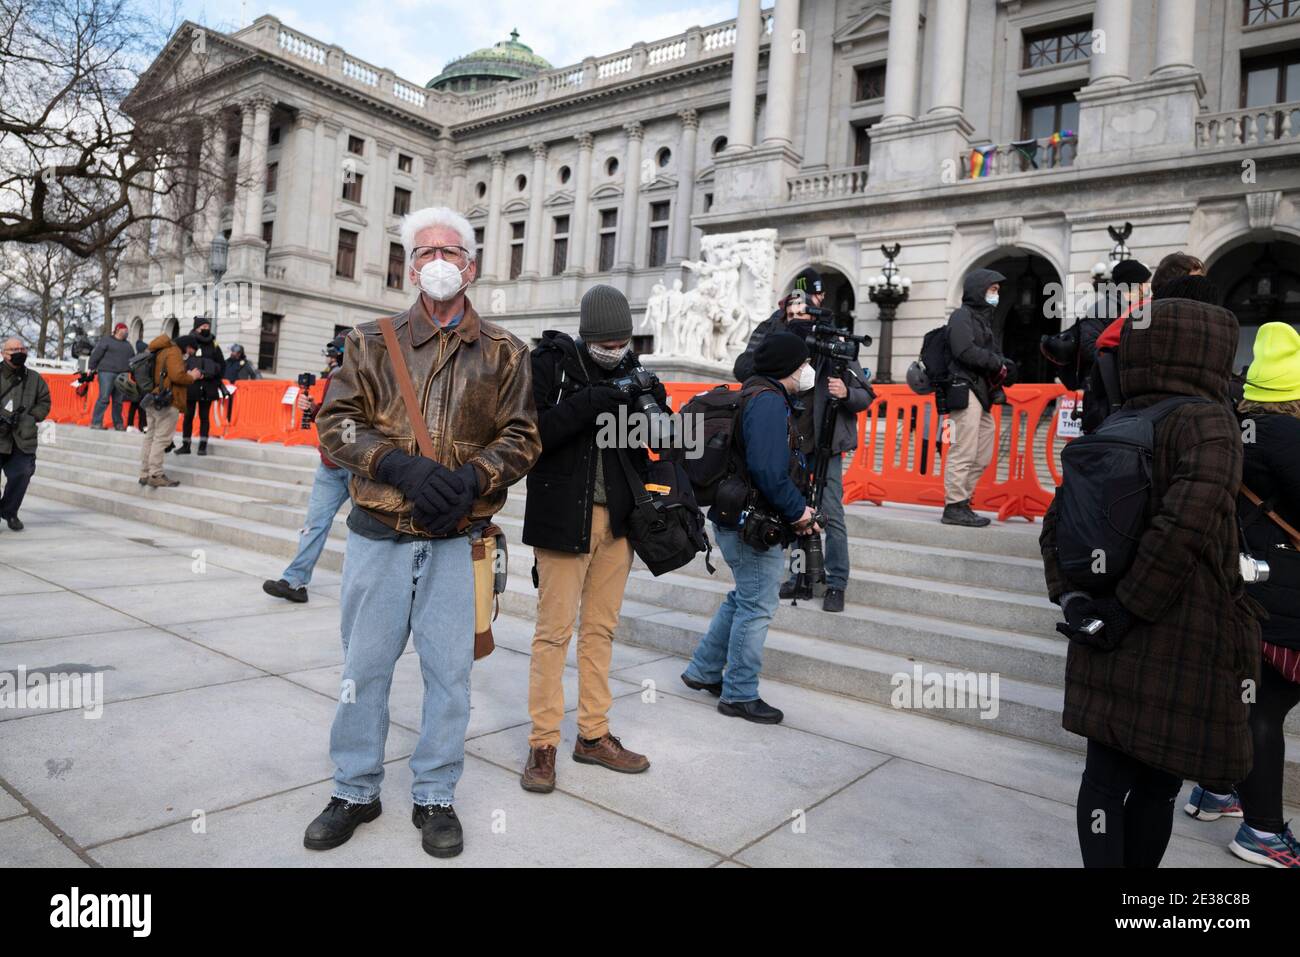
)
(329, 490)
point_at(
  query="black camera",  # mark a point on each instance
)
(9, 421)
(305, 381)
(761, 530)
(639, 387)
(1061, 349)
(828, 339)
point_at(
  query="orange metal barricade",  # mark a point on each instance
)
(260, 413)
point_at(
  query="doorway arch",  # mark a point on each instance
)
(1259, 282)
(840, 296)
(1026, 312)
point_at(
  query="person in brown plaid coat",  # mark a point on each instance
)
(1171, 701)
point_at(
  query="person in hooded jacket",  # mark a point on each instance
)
(206, 364)
(238, 368)
(171, 386)
(1165, 703)
(978, 371)
(576, 519)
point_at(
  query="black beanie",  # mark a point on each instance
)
(201, 321)
(1130, 271)
(780, 354)
(604, 315)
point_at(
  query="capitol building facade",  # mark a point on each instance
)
(1002, 133)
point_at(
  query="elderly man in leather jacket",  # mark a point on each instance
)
(407, 569)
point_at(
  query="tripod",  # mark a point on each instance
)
(808, 546)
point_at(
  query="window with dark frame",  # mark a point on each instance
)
(560, 246)
(516, 249)
(404, 163)
(401, 201)
(1058, 44)
(862, 143)
(1040, 117)
(268, 342)
(352, 187)
(1271, 79)
(345, 264)
(356, 145)
(478, 249)
(658, 250)
(274, 138)
(608, 239)
(869, 82)
(268, 229)
(272, 174)
(1266, 11)
(396, 266)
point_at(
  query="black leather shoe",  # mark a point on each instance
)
(279, 588)
(14, 523)
(440, 833)
(713, 689)
(833, 600)
(787, 590)
(758, 711)
(184, 449)
(960, 513)
(203, 448)
(334, 825)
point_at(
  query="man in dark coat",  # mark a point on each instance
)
(24, 402)
(112, 354)
(576, 518)
(854, 395)
(1170, 702)
(207, 364)
(978, 371)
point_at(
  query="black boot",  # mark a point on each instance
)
(184, 449)
(960, 513)
(713, 689)
(440, 832)
(833, 600)
(279, 588)
(758, 711)
(787, 589)
(334, 825)
(203, 447)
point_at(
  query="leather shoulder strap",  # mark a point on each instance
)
(407, 388)
(1276, 519)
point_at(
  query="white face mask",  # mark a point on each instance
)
(807, 378)
(608, 358)
(991, 299)
(440, 280)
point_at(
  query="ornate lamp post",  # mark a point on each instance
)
(218, 258)
(888, 290)
(1119, 252)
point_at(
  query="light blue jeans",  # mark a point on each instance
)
(836, 555)
(329, 490)
(391, 591)
(739, 628)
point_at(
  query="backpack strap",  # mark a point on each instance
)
(1108, 367)
(1157, 412)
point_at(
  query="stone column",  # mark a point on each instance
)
(327, 181)
(458, 185)
(296, 179)
(744, 76)
(581, 201)
(537, 195)
(261, 112)
(239, 224)
(904, 55)
(213, 178)
(1114, 19)
(1175, 37)
(631, 196)
(492, 237)
(680, 247)
(781, 75)
(949, 24)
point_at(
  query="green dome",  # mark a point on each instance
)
(501, 63)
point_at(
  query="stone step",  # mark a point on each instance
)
(269, 452)
(215, 463)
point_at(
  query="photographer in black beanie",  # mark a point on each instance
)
(206, 364)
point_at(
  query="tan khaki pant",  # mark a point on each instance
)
(972, 437)
(161, 424)
(594, 582)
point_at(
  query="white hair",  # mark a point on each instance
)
(433, 216)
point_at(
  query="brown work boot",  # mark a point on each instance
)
(162, 481)
(539, 772)
(609, 752)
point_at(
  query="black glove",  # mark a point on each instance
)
(1115, 618)
(451, 496)
(432, 488)
(600, 398)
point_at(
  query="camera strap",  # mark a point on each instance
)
(1274, 517)
(406, 387)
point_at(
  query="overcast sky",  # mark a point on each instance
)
(415, 38)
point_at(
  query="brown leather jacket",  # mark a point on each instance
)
(475, 387)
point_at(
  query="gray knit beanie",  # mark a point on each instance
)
(604, 315)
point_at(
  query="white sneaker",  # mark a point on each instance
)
(132, 428)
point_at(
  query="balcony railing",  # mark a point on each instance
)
(1022, 156)
(832, 184)
(1256, 125)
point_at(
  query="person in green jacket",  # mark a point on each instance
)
(24, 401)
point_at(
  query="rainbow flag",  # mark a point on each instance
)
(979, 161)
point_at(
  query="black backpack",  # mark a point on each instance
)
(138, 380)
(718, 412)
(1103, 504)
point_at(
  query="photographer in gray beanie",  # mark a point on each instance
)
(576, 519)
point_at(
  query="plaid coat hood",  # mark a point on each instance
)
(1175, 693)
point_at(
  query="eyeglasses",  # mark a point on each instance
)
(456, 255)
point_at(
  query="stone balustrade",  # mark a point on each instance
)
(831, 184)
(1005, 159)
(1256, 125)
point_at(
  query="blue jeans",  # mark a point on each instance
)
(836, 555)
(329, 490)
(739, 628)
(107, 392)
(422, 589)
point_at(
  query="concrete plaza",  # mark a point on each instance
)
(212, 746)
